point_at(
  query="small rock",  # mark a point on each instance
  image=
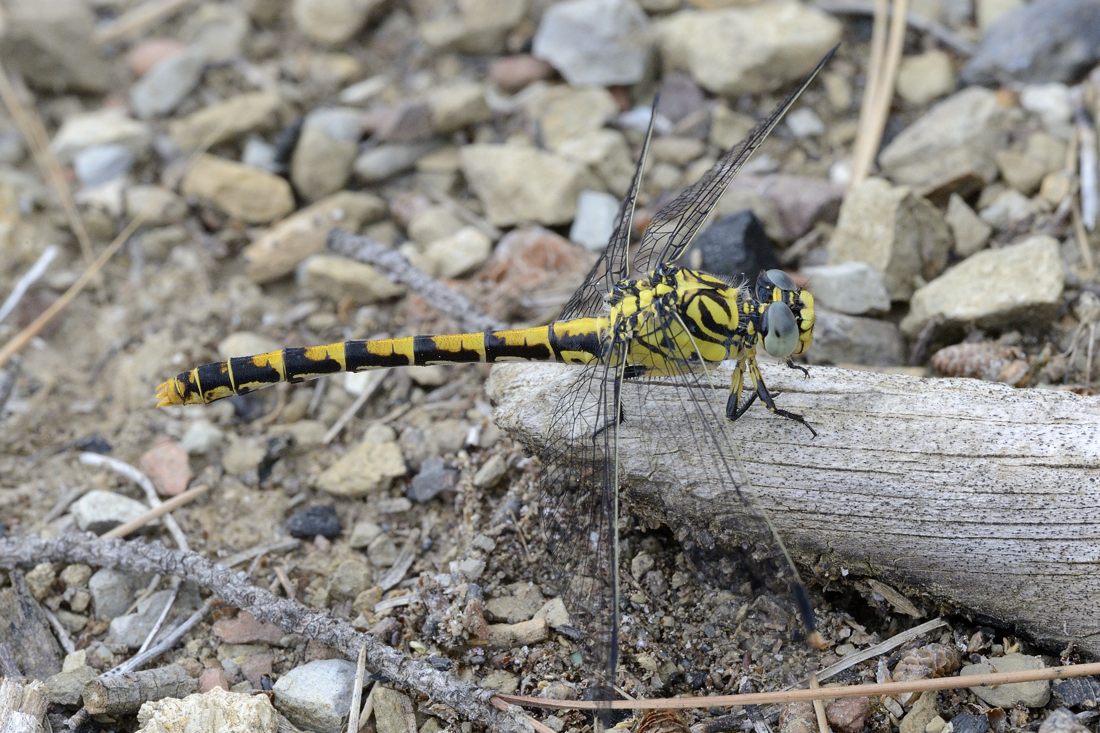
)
(393, 711)
(1022, 282)
(1080, 692)
(641, 564)
(523, 602)
(216, 32)
(109, 126)
(898, 233)
(594, 221)
(317, 695)
(565, 114)
(854, 288)
(433, 223)
(336, 277)
(923, 710)
(213, 677)
(315, 521)
(844, 339)
(166, 466)
(798, 202)
(246, 343)
(848, 715)
(243, 456)
(457, 105)
(458, 254)
(509, 636)
(102, 163)
(595, 42)
(331, 22)
(66, 687)
(935, 725)
(678, 151)
(491, 472)
(1034, 694)
(968, 723)
(555, 614)
(145, 54)
(519, 184)
(279, 250)
(131, 629)
(435, 477)
(326, 149)
(605, 154)
(470, 568)
(970, 231)
(216, 709)
(380, 162)
(435, 375)
(1062, 721)
(382, 551)
(368, 468)
(512, 73)
(363, 533)
(1020, 171)
(925, 77)
(248, 194)
(957, 137)
(803, 123)
(112, 592)
(52, 45)
(477, 26)
(501, 681)
(734, 246)
(101, 511)
(350, 578)
(228, 120)
(1008, 209)
(1053, 41)
(988, 11)
(244, 628)
(1051, 102)
(167, 84)
(155, 205)
(776, 43)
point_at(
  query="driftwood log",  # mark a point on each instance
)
(975, 494)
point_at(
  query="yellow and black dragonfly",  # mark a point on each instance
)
(637, 315)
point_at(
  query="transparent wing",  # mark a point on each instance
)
(612, 266)
(675, 225)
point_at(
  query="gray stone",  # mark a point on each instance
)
(1021, 283)
(895, 231)
(326, 149)
(565, 114)
(1055, 40)
(393, 711)
(52, 45)
(107, 126)
(228, 120)
(350, 578)
(678, 151)
(102, 163)
(605, 154)
(435, 476)
(595, 42)
(522, 601)
(920, 715)
(988, 11)
(335, 277)
(155, 205)
(166, 85)
(251, 195)
(475, 26)
(216, 31)
(101, 511)
(798, 202)
(519, 184)
(844, 339)
(367, 468)
(970, 231)
(380, 162)
(317, 695)
(1008, 209)
(259, 153)
(112, 592)
(217, 709)
(803, 122)
(1062, 721)
(1033, 694)
(1051, 102)
(957, 137)
(130, 630)
(245, 343)
(201, 437)
(595, 220)
(747, 50)
(491, 472)
(854, 288)
(925, 77)
(432, 223)
(331, 22)
(458, 254)
(66, 687)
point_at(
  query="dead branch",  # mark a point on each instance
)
(121, 694)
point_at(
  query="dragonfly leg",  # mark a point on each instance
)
(799, 367)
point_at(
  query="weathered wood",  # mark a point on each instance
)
(23, 705)
(120, 694)
(977, 494)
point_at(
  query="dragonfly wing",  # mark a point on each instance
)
(675, 225)
(612, 265)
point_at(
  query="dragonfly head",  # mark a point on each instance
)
(786, 315)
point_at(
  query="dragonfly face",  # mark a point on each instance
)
(786, 315)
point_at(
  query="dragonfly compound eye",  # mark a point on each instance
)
(780, 279)
(780, 330)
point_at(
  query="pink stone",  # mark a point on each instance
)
(167, 466)
(148, 53)
(512, 73)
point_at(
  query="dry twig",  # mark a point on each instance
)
(23, 284)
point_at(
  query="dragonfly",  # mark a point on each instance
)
(637, 315)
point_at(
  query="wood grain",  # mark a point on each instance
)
(971, 493)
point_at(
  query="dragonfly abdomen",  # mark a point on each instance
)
(577, 341)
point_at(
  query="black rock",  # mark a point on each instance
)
(734, 247)
(1078, 692)
(1049, 41)
(970, 723)
(435, 476)
(314, 521)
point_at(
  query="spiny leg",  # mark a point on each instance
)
(632, 371)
